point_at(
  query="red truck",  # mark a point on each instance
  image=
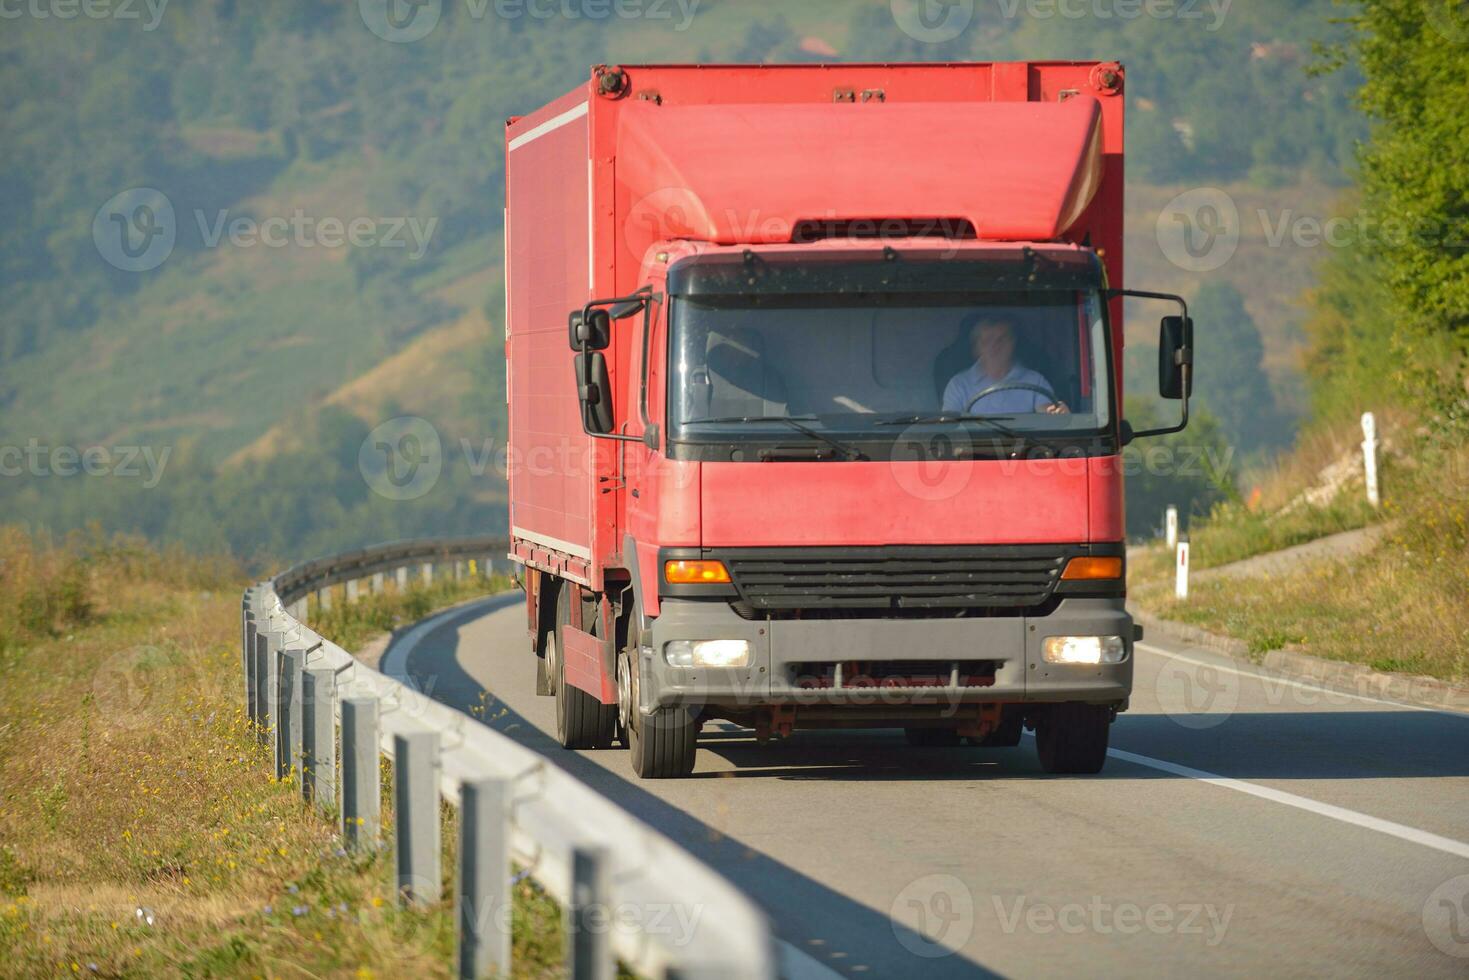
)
(815, 394)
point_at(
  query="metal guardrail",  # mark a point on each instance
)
(630, 892)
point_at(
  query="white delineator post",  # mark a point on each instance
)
(1369, 456)
(1170, 527)
(1180, 585)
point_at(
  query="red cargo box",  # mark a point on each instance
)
(760, 154)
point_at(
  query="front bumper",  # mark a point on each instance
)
(786, 655)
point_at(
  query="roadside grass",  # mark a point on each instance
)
(1399, 607)
(1233, 531)
(141, 831)
(351, 625)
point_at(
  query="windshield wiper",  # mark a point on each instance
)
(794, 421)
(993, 421)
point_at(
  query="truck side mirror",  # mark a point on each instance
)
(590, 332)
(595, 392)
(1175, 353)
(1175, 361)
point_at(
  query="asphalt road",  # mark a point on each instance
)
(1245, 824)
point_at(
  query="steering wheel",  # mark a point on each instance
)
(1010, 386)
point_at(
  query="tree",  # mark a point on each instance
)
(1191, 470)
(1231, 381)
(1415, 182)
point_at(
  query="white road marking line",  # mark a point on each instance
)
(796, 964)
(1271, 678)
(1400, 831)
(394, 662)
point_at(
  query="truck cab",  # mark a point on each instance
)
(847, 429)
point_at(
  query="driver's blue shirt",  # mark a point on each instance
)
(1012, 401)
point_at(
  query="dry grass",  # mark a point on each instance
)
(1400, 607)
(140, 831)
(351, 626)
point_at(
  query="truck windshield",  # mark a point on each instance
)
(860, 367)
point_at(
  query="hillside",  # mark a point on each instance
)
(260, 369)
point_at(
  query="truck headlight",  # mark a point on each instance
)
(1085, 650)
(707, 653)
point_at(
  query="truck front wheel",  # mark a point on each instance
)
(582, 722)
(1072, 738)
(662, 744)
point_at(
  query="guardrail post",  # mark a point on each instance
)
(324, 599)
(416, 816)
(247, 663)
(266, 644)
(351, 591)
(361, 784)
(428, 573)
(483, 896)
(401, 577)
(319, 737)
(459, 571)
(288, 732)
(589, 946)
(377, 583)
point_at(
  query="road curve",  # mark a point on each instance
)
(1245, 823)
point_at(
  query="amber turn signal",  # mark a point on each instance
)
(695, 572)
(1084, 568)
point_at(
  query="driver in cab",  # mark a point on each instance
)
(996, 384)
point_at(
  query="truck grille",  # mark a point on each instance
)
(895, 578)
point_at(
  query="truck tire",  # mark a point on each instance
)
(931, 738)
(664, 744)
(582, 722)
(1072, 737)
